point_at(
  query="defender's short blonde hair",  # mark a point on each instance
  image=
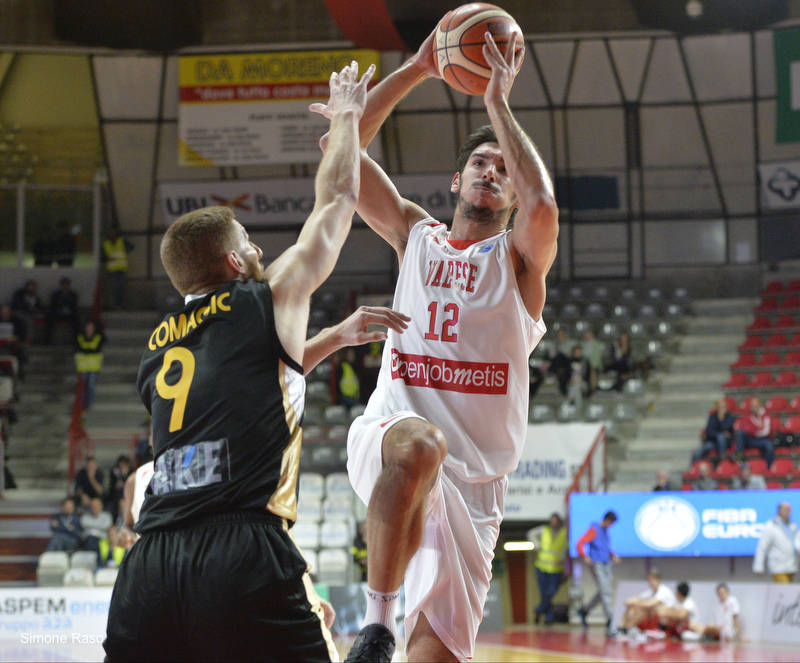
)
(194, 247)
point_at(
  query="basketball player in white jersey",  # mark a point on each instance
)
(447, 421)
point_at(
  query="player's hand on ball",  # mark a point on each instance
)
(354, 330)
(347, 92)
(504, 68)
(425, 58)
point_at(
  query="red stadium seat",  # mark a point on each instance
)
(688, 486)
(745, 359)
(776, 404)
(757, 465)
(767, 305)
(774, 287)
(776, 341)
(791, 359)
(737, 381)
(721, 485)
(733, 406)
(774, 485)
(769, 359)
(744, 406)
(792, 424)
(794, 286)
(784, 321)
(794, 404)
(760, 323)
(786, 378)
(775, 424)
(752, 342)
(795, 340)
(727, 468)
(762, 380)
(781, 467)
(794, 484)
(694, 471)
(790, 303)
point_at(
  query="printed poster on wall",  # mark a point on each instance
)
(252, 108)
(787, 75)
(780, 184)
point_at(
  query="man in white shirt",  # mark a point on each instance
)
(778, 547)
(726, 624)
(682, 617)
(642, 611)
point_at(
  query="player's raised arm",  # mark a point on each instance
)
(301, 269)
(535, 234)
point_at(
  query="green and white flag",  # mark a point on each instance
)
(787, 70)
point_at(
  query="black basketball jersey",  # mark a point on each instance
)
(226, 402)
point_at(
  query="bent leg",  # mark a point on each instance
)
(425, 645)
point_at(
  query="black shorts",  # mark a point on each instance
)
(232, 587)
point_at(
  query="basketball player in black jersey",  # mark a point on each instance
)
(216, 575)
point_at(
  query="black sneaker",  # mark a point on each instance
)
(374, 644)
(582, 615)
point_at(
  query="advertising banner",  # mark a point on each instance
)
(261, 203)
(719, 523)
(780, 184)
(782, 614)
(552, 455)
(252, 108)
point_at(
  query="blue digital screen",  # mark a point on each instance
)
(681, 524)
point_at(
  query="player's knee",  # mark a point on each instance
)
(423, 451)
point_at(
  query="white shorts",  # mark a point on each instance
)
(448, 578)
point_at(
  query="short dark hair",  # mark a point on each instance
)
(683, 588)
(557, 516)
(481, 135)
(611, 516)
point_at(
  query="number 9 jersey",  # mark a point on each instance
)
(226, 403)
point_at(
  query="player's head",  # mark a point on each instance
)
(654, 578)
(682, 590)
(609, 518)
(482, 182)
(723, 592)
(208, 247)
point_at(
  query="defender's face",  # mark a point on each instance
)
(250, 254)
(485, 181)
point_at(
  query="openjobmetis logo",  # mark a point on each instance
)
(466, 377)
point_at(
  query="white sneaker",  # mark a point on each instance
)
(690, 636)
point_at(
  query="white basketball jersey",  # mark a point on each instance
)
(143, 476)
(463, 361)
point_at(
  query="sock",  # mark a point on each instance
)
(381, 608)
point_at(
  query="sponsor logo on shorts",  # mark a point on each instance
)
(466, 377)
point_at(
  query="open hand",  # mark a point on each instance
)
(347, 92)
(353, 329)
(504, 68)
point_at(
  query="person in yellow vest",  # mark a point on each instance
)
(115, 255)
(552, 550)
(89, 359)
(348, 381)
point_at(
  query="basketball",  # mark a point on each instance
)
(460, 40)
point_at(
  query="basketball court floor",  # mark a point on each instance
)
(518, 644)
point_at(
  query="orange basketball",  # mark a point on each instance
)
(459, 44)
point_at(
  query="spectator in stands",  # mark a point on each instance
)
(620, 360)
(370, 367)
(726, 625)
(64, 246)
(580, 377)
(65, 527)
(116, 484)
(26, 303)
(755, 431)
(359, 551)
(63, 308)
(641, 611)
(662, 481)
(600, 558)
(95, 524)
(89, 483)
(43, 248)
(115, 256)
(560, 364)
(718, 433)
(706, 481)
(536, 370)
(748, 480)
(348, 383)
(551, 540)
(593, 350)
(89, 360)
(15, 343)
(778, 547)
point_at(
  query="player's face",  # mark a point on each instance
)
(250, 254)
(485, 182)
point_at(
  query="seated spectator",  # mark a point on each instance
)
(65, 527)
(536, 370)
(88, 360)
(755, 431)
(681, 617)
(560, 364)
(593, 351)
(95, 525)
(748, 480)
(620, 360)
(718, 433)
(63, 308)
(348, 383)
(115, 545)
(662, 481)
(580, 377)
(26, 303)
(705, 482)
(641, 612)
(89, 483)
(726, 625)
(116, 484)
(15, 344)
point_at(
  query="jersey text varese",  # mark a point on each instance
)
(226, 403)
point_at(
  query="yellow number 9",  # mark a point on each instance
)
(179, 391)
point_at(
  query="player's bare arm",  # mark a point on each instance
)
(353, 330)
(301, 269)
(535, 233)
